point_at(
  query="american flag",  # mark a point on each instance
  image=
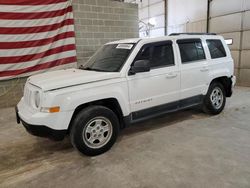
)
(35, 36)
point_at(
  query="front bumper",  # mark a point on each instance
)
(41, 130)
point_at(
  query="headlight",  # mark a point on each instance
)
(37, 99)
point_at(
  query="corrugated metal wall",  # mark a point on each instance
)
(187, 16)
(231, 18)
(151, 17)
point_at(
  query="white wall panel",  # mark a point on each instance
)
(236, 40)
(247, 5)
(154, 1)
(222, 7)
(159, 21)
(144, 3)
(235, 56)
(245, 59)
(151, 12)
(246, 20)
(246, 40)
(244, 77)
(156, 9)
(144, 21)
(143, 13)
(199, 26)
(182, 11)
(223, 24)
(157, 32)
(177, 29)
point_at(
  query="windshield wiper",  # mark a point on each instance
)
(91, 69)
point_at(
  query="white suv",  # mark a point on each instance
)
(127, 81)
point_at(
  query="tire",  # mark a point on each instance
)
(215, 99)
(94, 130)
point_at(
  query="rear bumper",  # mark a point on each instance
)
(233, 79)
(41, 130)
(233, 82)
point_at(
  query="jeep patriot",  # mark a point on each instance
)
(125, 82)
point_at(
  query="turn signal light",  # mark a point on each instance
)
(54, 109)
(51, 109)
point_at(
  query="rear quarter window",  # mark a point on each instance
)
(216, 48)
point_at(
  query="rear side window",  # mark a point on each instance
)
(191, 50)
(216, 49)
(159, 54)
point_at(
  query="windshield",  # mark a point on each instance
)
(110, 58)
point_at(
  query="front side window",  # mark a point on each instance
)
(144, 54)
(162, 56)
(191, 50)
(110, 58)
(216, 49)
(159, 55)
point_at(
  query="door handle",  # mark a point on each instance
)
(204, 69)
(171, 75)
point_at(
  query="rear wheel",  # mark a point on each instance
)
(215, 99)
(94, 130)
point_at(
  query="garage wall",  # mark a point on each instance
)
(230, 18)
(96, 22)
(152, 18)
(233, 22)
(186, 16)
(100, 21)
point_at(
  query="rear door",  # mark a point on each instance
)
(194, 69)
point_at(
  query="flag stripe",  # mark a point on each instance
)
(35, 22)
(39, 67)
(27, 30)
(37, 36)
(29, 2)
(59, 67)
(43, 60)
(35, 50)
(37, 8)
(35, 43)
(36, 15)
(26, 58)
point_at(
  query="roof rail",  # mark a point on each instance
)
(176, 34)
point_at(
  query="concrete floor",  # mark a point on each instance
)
(184, 149)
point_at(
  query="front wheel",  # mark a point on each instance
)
(215, 99)
(94, 130)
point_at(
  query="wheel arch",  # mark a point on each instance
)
(111, 103)
(226, 82)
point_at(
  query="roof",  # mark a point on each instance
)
(172, 37)
(131, 40)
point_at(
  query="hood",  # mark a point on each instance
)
(69, 77)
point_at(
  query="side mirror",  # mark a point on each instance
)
(140, 66)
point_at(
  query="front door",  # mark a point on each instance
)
(157, 90)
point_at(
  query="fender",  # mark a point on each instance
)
(220, 71)
(74, 97)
